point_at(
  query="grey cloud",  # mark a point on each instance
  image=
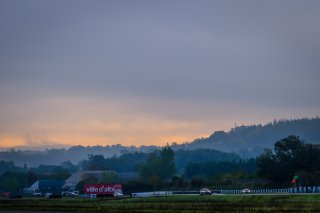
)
(262, 53)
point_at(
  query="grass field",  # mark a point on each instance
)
(183, 204)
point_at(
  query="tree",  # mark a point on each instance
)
(151, 167)
(86, 179)
(12, 181)
(69, 166)
(96, 162)
(210, 169)
(168, 165)
(155, 181)
(109, 177)
(267, 166)
(160, 164)
(178, 182)
(8, 166)
(89, 178)
(31, 178)
(290, 155)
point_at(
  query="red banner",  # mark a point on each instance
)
(102, 189)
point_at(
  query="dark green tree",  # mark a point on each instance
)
(160, 164)
(69, 166)
(12, 182)
(109, 177)
(152, 166)
(97, 162)
(290, 155)
(31, 178)
(168, 166)
(210, 169)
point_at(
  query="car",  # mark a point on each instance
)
(246, 191)
(70, 194)
(205, 191)
(117, 194)
(47, 195)
(37, 193)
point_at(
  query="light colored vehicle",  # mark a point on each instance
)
(117, 194)
(47, 195)
(32, 192)
(205, 191)
(70, 194)
(37, 193)
(246, 191)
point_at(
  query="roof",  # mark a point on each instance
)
(74, 179)
(126, 176)
(51, 183)
(46, 183)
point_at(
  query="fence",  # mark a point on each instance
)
(311, 189)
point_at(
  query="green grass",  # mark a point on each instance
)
(181, 204)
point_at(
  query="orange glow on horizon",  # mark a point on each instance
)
(65, 141)
(70, 121)
(10, 142)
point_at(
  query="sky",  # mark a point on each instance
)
(153, 72)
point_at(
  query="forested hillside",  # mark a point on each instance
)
(118, 161)
(129, 162)
(74, 154)
(248, 141)
(245, 141)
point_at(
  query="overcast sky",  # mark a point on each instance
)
(152, 72)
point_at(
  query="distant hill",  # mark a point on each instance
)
(248, 141)
(129, 162)
(123, 162)
(73, 154)
(245, 141)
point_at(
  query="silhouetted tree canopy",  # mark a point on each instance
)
(249, 141)
(289, 157)
(210, 169)
(159, 165)
(246, 141)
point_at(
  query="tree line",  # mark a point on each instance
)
(290, 157)
(250, 140)
(246, 141)
(167, 169)
(274, 167)
(130, 162)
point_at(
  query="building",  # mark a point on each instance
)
(77, 177)
(45, 186)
